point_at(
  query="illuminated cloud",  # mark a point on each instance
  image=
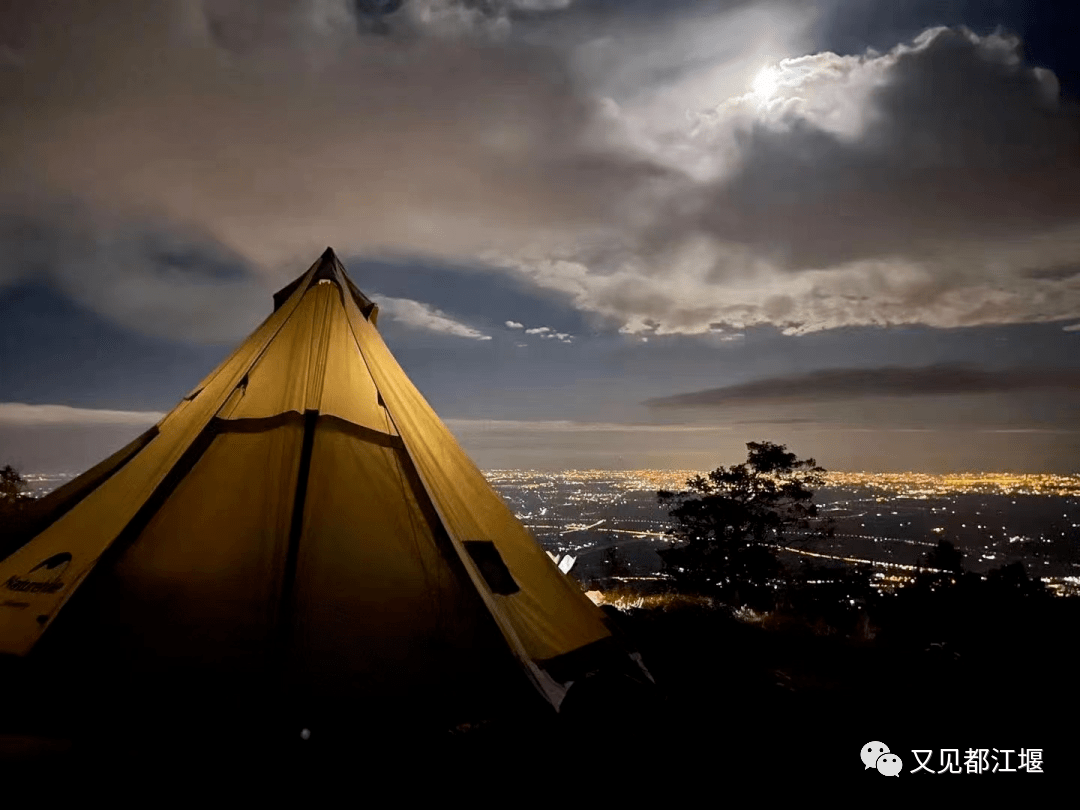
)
(930, 184)
(417, 315)
(514, 325)
(547, 333)
(16, 414)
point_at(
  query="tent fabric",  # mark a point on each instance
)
(304, 510)
(215, 600)
(85, 532)
(549, 616)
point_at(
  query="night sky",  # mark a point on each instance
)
(601, 234)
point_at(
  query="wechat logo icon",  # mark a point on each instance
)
(877, 755)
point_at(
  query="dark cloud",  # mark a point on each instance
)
(1054, 273)
(846, 384)
(1046, 27)
(150, 276)
(281, 132)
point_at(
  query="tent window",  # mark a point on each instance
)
(491, 565)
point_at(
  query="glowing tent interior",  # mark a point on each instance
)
(301, 525)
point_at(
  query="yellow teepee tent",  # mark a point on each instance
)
(301, 520)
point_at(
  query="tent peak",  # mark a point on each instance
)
(329, 259)
(327, 267)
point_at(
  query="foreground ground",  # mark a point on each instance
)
(747, 696)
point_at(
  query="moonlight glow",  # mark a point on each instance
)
(766, 83)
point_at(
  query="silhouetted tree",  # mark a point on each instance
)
(12, 490)
(945, 557)
(1012, 580)
(732, 521)
(947, 562)
(614, 564)
(13, 500)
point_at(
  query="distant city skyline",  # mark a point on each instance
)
(609, 521)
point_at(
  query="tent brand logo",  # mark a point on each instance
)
(43, 577)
